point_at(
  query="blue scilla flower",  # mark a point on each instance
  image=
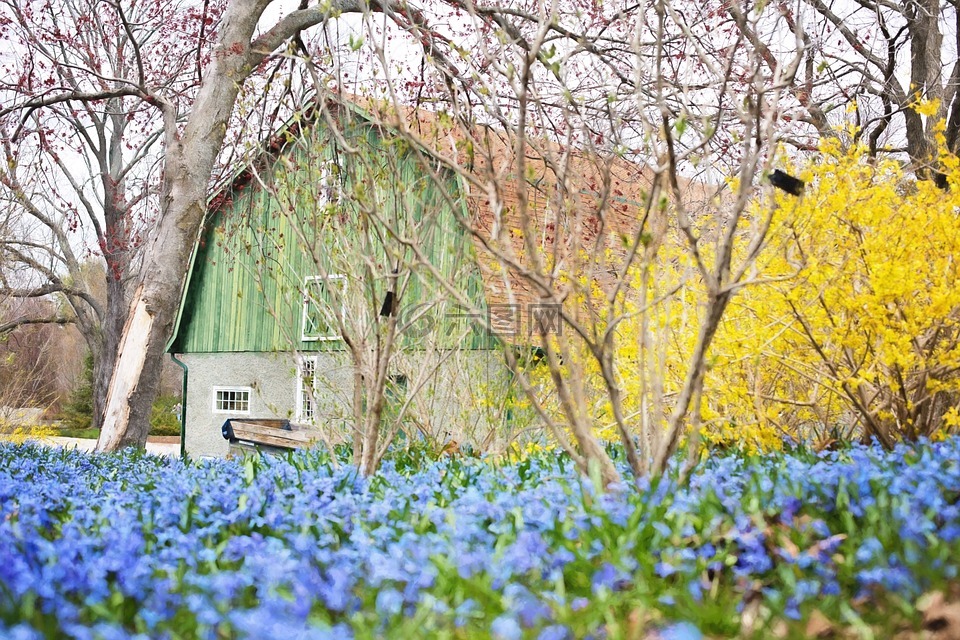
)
(820, 528)
(790, 508)
(528, 607)
(532, 611)
(336, 589)
(609, 577)
(792, 608)
(254, 624)
(506, 627)
(470, 562)
(895, 579)
(695, 590)
(753, 560)
(464, 611)
(805, 560)
(664, 569)
(20, 631)
(527, 553)
(681, 631)
(389, 602)
(869, 549)
(555, 632)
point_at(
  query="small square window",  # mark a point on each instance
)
(322, 305)
(231, 400)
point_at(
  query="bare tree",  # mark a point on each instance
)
(29, 371)
(578, 180)
(344, 189)
(194, 125)
(882, 57)
(80, 175)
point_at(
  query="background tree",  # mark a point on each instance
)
(552, 155)
(80, 176)
(32, 373)
(880, 56)
(136, 76)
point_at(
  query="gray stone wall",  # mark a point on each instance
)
(452, 395)
(270, 378)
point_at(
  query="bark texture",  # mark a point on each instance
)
(188, 166)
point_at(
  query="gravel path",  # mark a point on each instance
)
(87, 444)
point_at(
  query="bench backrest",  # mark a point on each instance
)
(270, 432)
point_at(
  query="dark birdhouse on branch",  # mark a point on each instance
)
(389, 306)
(786, 182)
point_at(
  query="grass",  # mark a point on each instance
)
(78, 433)
(164, 421)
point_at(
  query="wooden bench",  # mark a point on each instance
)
(269, 432)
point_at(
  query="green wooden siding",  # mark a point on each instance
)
(245, 288)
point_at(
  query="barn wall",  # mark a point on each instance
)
(454, 394)
(269, 376)
(246, 284)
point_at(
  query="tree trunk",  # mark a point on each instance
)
(189, 159)
(693, 384)
(111, 329)
(358, 420)
(925, 80)
(370, 455)
(136, 374)
(102, 370)
(118, 246)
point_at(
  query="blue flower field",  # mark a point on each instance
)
(129, 545)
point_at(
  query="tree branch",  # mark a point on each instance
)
(7, 327)
(295, 22)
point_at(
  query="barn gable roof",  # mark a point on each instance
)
(569, 199)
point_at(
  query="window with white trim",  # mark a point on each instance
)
(323, 298)
(307, 389)
(231, 400)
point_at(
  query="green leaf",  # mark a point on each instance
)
(681, 125)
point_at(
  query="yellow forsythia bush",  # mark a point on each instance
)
(849, 325)
(18, 434)
(852, 326)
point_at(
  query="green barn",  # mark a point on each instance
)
(310, 257)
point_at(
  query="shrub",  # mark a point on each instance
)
(77, 413)
(856, 318)
(849, 325)
(20, 433)
(165, 416)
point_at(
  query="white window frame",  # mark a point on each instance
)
(331, 184)
(247, 390)
(301, 395)
(339, 277)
